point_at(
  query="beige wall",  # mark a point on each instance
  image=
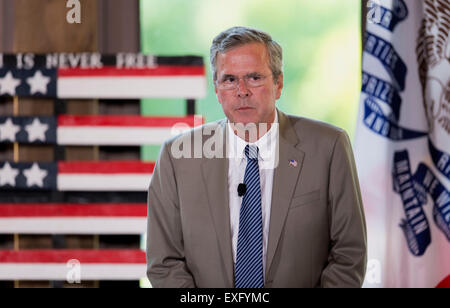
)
(6, 25)
(117, 23)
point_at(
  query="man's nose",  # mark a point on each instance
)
(242, 88)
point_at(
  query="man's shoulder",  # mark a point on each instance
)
(307, 128)
(318, 137)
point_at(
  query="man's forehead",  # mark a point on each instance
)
(249, 58)
(250, 49)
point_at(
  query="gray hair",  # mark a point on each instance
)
(238, 36)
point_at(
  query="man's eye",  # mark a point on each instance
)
(255, 78)
(229, 79)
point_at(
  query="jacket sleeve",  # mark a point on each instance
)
(348, 251)
(166, 263)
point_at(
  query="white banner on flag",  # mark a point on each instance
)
(402, 143)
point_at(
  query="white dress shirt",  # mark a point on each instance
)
(268, 145)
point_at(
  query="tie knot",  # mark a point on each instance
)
(251, 152)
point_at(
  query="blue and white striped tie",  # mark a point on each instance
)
(249, 259)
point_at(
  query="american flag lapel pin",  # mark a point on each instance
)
(293, 163)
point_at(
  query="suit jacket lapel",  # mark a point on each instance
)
(284, 182)
(215, 176)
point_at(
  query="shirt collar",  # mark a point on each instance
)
(266, 144)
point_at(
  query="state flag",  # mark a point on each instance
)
(402, 144)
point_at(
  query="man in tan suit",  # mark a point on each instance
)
(306, 227)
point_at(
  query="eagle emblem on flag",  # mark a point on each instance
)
(433, 55)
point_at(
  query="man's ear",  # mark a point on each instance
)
(279, 86)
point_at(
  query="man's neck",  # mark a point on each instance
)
(252, 132)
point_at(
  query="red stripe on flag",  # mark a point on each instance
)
(130, 256)
(128, 120)
(444, 284)
(106, 167)
(73, 210)
(109, 71)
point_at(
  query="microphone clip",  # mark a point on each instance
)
(242, 189)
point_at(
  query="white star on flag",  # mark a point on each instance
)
(8, 175)
(35, 176)
(8, 84)
(38, 83)
(8, 130)
(36, 130)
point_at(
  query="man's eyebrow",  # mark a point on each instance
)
(254, 74)
(227, 76)
(248, 75)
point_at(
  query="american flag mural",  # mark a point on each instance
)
(97, 197)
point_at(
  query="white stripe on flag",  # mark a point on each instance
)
(75, 225)
(103, 182)
(132, 87)
(104, 135)
(56, 271)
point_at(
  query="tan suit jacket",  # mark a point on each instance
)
(317, 232)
